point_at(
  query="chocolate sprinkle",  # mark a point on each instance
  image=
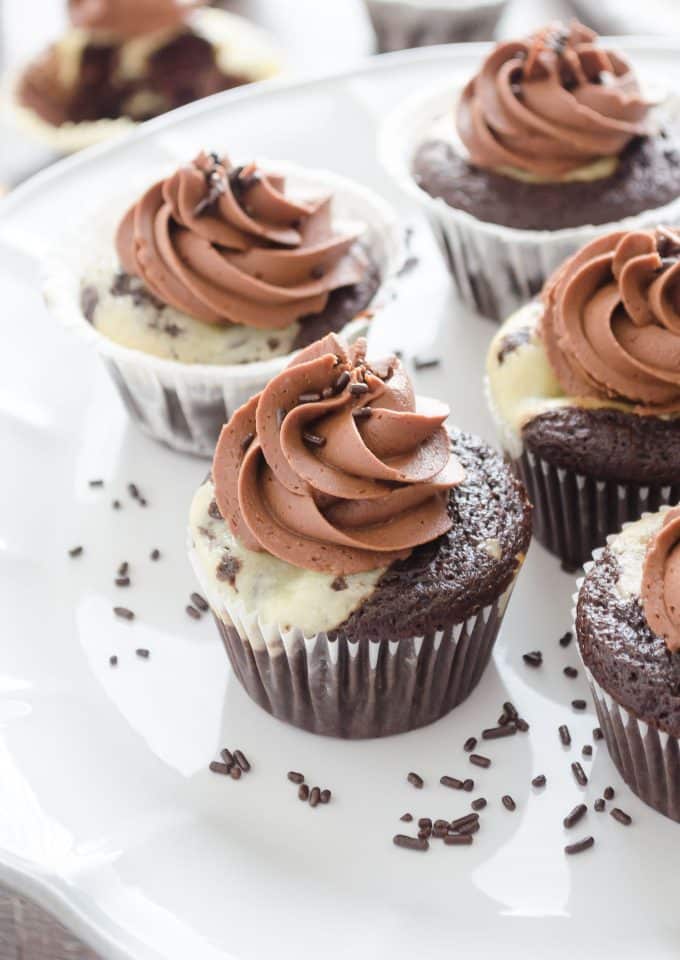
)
(479, 761)
(155, 555)
(533, 659)
(579, 774)
(423, 363)
(575, 815)
(425, 823)
(362, 413)
(468, 785)
(570, 672)
(597, 734)
(143, 653)
(565, 736)
(522, 725)
(295, 777)
(416, 780)
(508, 802)
(470, 744)
(479, 803)
(622, 817)
(341, 382)
(466, 821)
(192, 612)
(452, 782)
(95, 483)
(579, 704)
(410, 843)
(116, 504)
(325, 796)
(75, 551)
(608, 793)
(495, 733)
(566, 638)
(303, 792)
(406, 817)
(314, 796)
(199, 601)
(133, 490)
(123, 569)
(358, 389)
(587, 750)
(579, 846)
(122, 581)
(599, 804)
(124, 613)
(217, 767)
(313, 439)
(228, 757)
(458, 840)
(235, 772)
(113, 660)
(242, 760)
(539, 781)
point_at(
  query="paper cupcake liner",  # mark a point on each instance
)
(243, 48)
(574, 513)
(348, 688)
(648, 759)
(495, 268)
(400, 24)
(185, 405)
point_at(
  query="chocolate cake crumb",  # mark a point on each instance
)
(339, 584)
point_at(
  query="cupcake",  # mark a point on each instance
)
(628, 629)
(124, 61)
(553, 144)
(357, 557)
(400, 24)
(585, 388)
(213, 277)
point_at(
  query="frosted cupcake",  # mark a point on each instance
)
(585, 388)
(550, 144)
(124, 61)
(357, 557)
(628, 629)
(219, 273)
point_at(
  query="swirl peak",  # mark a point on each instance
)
(335, 466)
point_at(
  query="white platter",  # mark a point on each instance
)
(108, 814)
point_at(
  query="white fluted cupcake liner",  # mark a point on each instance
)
(243, 49)
(184, 405)
(495, 268)
(402, 24)
(353, 689)
(648, 759)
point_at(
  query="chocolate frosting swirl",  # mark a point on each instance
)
(660, 592)
(334, 467)
(550, 104)
(227, 245)
(129, 18)
(611, 324)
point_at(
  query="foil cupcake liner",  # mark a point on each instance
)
(574, 513)
(184, 405)
(354, 689)
(401, 24)
(648, 759)
(495, 268)
(241, 46)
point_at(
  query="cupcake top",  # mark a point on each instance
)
(336, 466)
(627, 618)
(129, 18)
(611, 323)
(229, 244)
(660, 584)
(551, 104)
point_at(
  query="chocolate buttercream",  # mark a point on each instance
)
(334, 466)
(129, 18)
(228, 244)
(611, 325)
(660, 592)
(550, 104)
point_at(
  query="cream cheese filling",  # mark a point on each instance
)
(280, 593)
(630, 548)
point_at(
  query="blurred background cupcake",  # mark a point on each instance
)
(400, 24)
(628, 629)
(552, 142)
(358, 558)
(218, 272)
(124, 61)
(585, 388)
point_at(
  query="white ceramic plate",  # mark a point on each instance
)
(108, 814)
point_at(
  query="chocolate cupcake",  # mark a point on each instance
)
(400, 24)
(585, 388)
(220, 273)
(554, 143)
(124, 61)
(628, 629)
(358, 559)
